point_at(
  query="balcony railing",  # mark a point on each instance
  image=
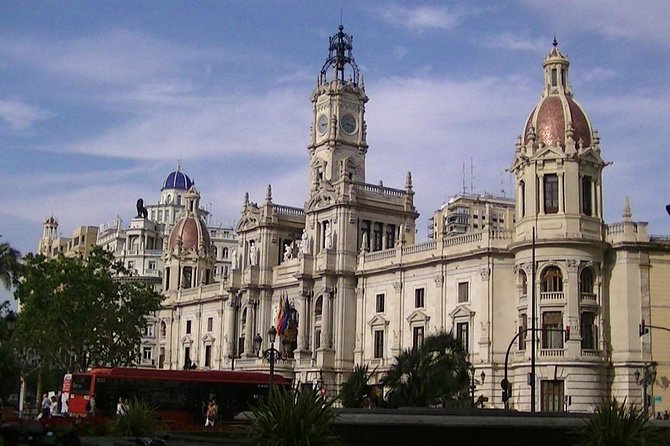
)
(552, 352)
(551, 295)
(588, 297)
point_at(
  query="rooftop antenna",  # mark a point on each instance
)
(463, 179)
(502, 185)
(472, 176)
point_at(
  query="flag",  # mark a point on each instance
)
(280, 315)
(287, 314)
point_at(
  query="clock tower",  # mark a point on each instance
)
(337, 141)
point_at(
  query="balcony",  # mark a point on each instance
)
(588, 298)
(552, 296)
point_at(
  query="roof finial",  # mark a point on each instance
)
(268, 195)
(178, 164)
(555, 41)
(627, 214)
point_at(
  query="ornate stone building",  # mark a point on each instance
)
(345, 282)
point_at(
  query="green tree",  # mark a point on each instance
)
(77, 312)
(10, 265)
(615, 424)
(429, 375)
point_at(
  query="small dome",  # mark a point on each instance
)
(177, 180)
(549, 119)
(190, 228)
(192, 232)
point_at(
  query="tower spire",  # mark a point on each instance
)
(339, 57)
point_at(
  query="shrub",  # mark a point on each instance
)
(290, 418)
(614, 424)
(140, 421)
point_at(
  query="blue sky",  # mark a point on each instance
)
(99, 100)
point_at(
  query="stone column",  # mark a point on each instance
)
(561, 205)
(326, 320)
(540, 180)
(302, 322)
(231, 320)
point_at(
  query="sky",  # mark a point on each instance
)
(99, 101)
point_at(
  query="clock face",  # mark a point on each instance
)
(322, 124)
(348, 123)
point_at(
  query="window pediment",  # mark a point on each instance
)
(462, 311)
(378, 321)
(208, 339)
(186, 340)
(418, 316)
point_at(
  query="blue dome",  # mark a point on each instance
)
(177, 180)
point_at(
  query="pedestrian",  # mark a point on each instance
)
(90, 406)
(45, 406)
(54, 406)
(121, 408)
(666, 415)
(212, 413)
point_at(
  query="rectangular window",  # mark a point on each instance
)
(523, 325)
(554, 77)
(317, 339)
(419, 298)
(390, 236)
(152, 265)
(240, 345)
(589, 331)
(417, 337)
(149, 330)
(379, 344)
(377, 237)
(462, 334)
(552, 329)
(210, 324)
(553, 395)
(188, 327)
(551, 193)
(208, 355)
(147, 353)
(379, 303)
(463, 292)
(587, 208)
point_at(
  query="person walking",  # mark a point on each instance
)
(45, 406)
(212, 413)
(121, 407)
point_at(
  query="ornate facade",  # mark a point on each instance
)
(358, 289)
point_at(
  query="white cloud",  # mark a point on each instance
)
(20, 115)
(630, 19)
(114, 57)
(418, 18)
(510, 41)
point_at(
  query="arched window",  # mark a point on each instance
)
(318, 308)
(224, 253)
(586, 281)
(163, 329)
(552, 280)
(523, 283)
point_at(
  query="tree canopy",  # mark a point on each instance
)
(77, 312)
(10, 265)
(429, 375)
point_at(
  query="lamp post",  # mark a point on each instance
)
(272, 354)
(474, 383)
(646, 379)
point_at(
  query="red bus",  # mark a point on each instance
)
(180, 396)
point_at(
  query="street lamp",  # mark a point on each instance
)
(645, 380)
(10, 322)
(474, 383)
(272, 354)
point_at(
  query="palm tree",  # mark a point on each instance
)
(9, 265)
(429, 375)
(356, 392)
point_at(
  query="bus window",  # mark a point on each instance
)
(81, 385)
